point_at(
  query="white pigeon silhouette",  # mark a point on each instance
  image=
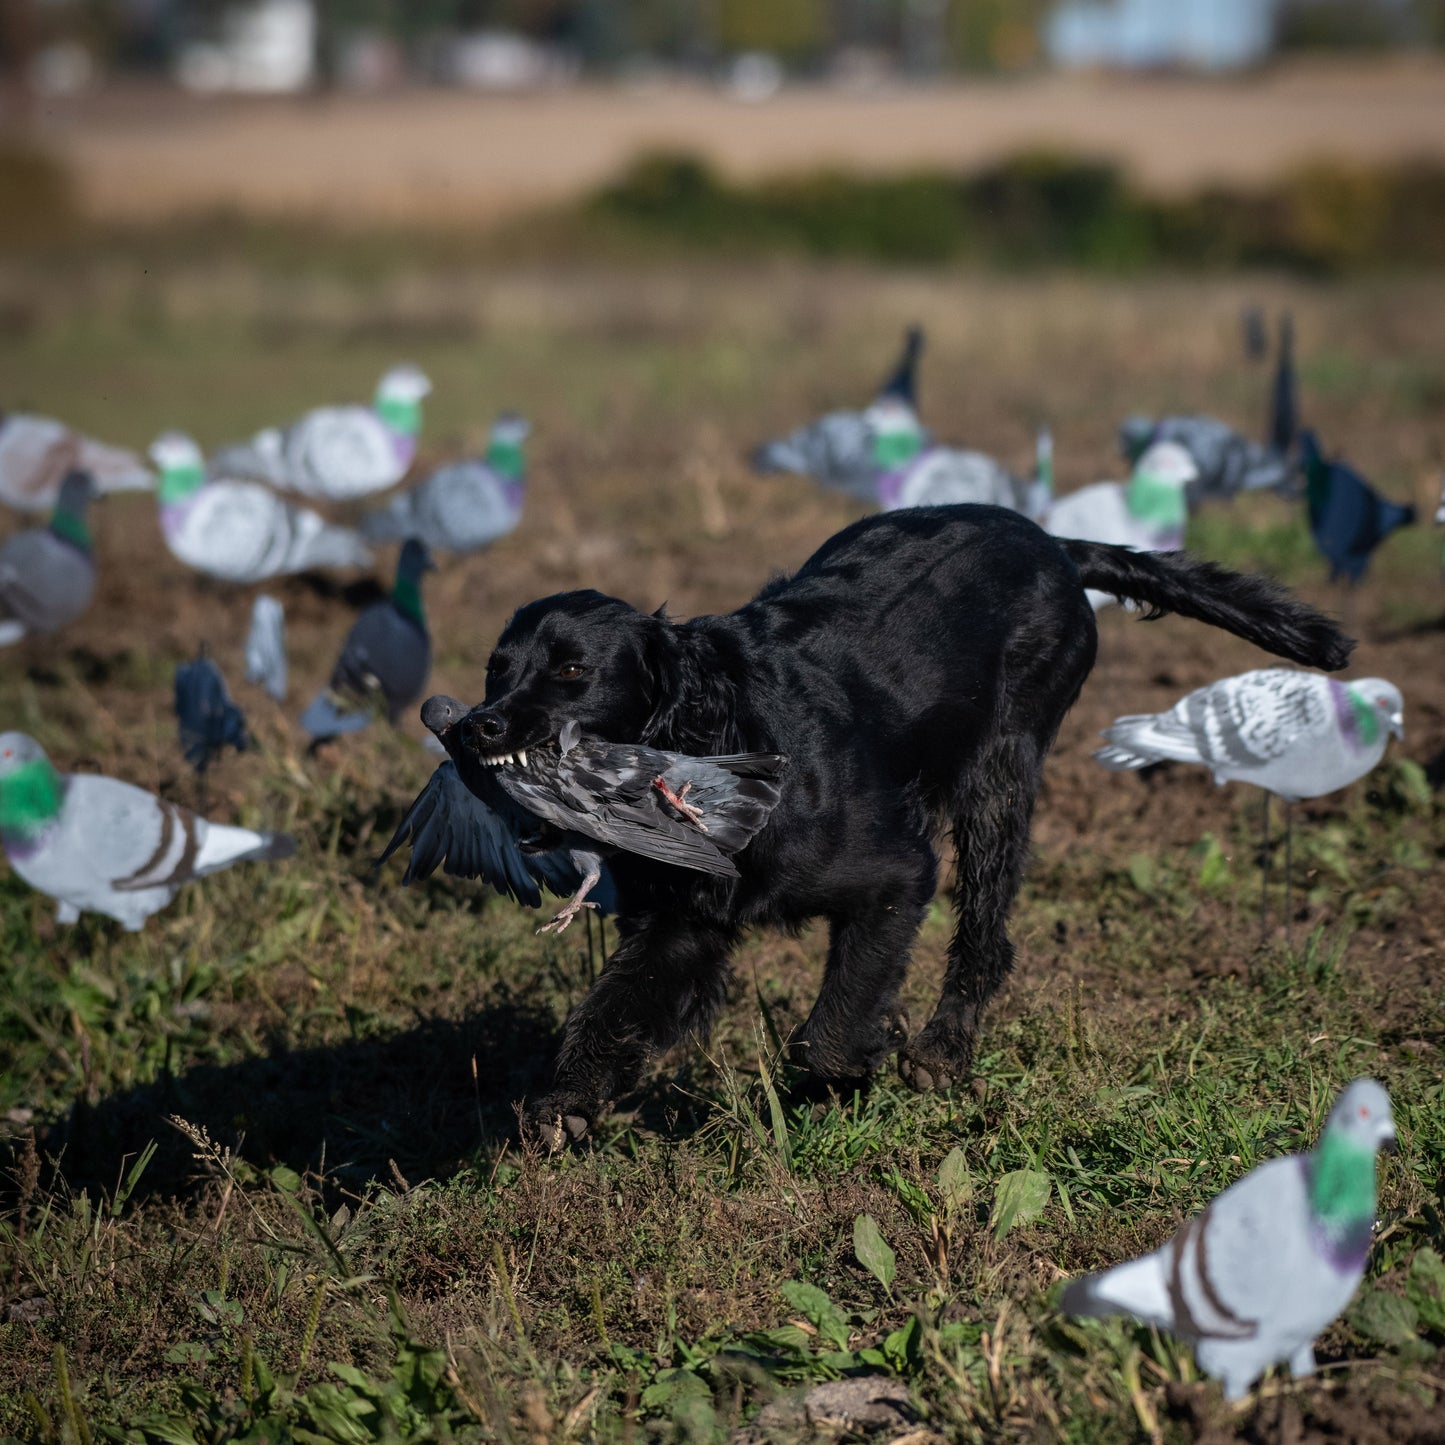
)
(1295, 734)
(1149, 512)
(338, 453)
(241, 531)
(98, 845)
(38, 452)
(266, 647)
(1254, 1279)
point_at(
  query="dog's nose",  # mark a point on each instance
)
(483, 726)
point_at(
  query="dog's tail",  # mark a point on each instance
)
(1254, 608)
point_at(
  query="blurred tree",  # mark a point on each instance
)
(995, 35)
(789, 27)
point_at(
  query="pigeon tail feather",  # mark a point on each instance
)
(225, 846)
(1137, 1287)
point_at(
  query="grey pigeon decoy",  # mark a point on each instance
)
(47, 574)
(338, 453)
(37, 453)
(98, 845)
(465, 505)
(1294, 734)
(241, 531)
(1228, 463)
(1348, 518)
(266, 647)
(1253, 1280)
(385, 660)
(207, 716)
(550, 814)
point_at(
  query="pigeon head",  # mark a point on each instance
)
(1362, 1116)
(1384, 697)
(399, 396)
(1134, 436)
(30, 788)
(183, 468)
(17, 751)
(440, 712)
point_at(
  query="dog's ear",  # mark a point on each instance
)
(693, 709)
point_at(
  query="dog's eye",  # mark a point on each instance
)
(496, 666)
(570, 671)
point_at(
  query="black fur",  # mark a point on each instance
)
(915, 671)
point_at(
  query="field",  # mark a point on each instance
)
(263, 1179)
(438, 157)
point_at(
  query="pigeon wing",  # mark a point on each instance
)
(450, 827)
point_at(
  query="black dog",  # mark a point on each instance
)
(915, 671)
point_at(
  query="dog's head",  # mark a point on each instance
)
(578, 656)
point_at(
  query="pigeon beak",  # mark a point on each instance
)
(1397, 725)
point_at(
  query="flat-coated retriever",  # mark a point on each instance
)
(915, 671)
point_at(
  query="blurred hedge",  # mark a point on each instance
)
(1043, 208)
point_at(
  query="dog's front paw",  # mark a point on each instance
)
(557, 1122)
(928, 1064)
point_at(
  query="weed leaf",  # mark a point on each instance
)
(873, 1251)
(1022, 1196)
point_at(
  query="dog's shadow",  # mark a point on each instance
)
(420, 1103)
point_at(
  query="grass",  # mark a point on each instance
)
(262, 1173)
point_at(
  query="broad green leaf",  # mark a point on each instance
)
(902, 1347)
(820, 1312)
(1213, 865)
(1425, 1289)
(1385, 1318)
(1142, 873)
(873, 1251)
(287, 1180)
(955, 1183)
(1022, 1196)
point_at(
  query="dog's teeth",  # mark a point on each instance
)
(522, 758)
(507, 758)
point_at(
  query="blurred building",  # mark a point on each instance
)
(266, 47)
(1156, 34)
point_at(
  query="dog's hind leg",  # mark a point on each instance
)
(666, 979)
(992, 812)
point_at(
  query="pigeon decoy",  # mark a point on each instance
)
(1294, 734)
(1348, 518)
(385, 660)
(1284, 402)
(37, 453)
(1256, 338)
(464, 506)
(551, 814)
(47, 574)
(266, 647)
(1227, 462)
(1253, 1280)
(207, 717)
(98, 845)
(338, 453)
(1149, 512)
(241, 531)
(902, 382)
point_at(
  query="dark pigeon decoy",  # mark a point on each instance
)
(550, 815)
(1348, 518)
(208, 717)
(47, 574)
(1256, 338)
(902, 382)
(1284, 403)
(385, 661)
